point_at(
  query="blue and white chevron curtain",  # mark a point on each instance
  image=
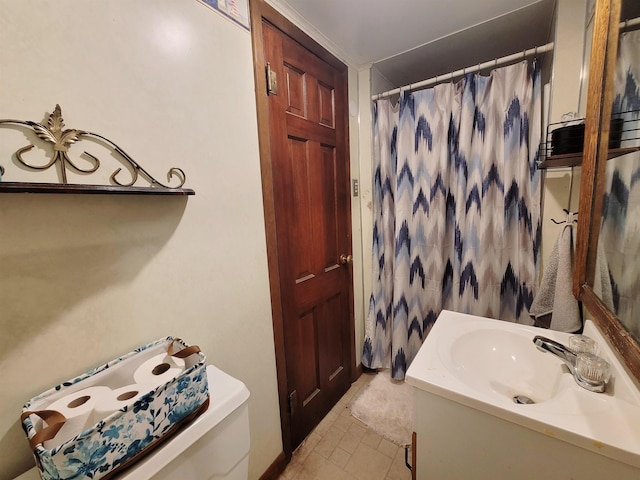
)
(456, 208)
(619, 240)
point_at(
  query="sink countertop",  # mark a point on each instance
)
(605, 423)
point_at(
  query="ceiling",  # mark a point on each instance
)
(411, 40)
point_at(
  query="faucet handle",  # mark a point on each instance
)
(592, 368)
(583, 344)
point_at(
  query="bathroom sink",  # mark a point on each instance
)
(506, 364)
(470, 369)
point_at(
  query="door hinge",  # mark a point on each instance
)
(293, 402)
(272, 81)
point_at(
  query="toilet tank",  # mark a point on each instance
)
(214, 446)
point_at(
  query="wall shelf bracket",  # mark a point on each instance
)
(60, 139)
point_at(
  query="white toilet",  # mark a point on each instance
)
(214, 446)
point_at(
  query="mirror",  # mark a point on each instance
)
(607, 277)
(618, 247)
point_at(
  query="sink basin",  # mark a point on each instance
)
(466, 376)
(503, 363)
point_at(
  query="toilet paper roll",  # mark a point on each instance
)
(118, 399)
(78, 409)
(158, 370)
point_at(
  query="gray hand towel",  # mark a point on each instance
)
(602, 281)
(555, 295)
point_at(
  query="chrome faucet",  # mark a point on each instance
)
(593, 381)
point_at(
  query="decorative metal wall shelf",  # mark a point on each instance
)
(575, 159)
(61, 139)
(568, 151)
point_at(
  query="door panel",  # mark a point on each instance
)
(296, 91)
(325, 94)
(328, 178)
(310, 174)
(301, 221)
(334, 336)
(306, 371)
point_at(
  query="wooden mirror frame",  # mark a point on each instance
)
(599, 103)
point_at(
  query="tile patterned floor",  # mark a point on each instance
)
(343, 448)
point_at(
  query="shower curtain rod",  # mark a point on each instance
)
(474, 68)
(632, 22)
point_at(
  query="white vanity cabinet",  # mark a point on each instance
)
(468, 427)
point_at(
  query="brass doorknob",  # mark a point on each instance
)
(344, 259)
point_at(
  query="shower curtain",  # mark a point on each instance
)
(456, 208)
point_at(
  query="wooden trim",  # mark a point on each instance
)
(352, 332)
(414, 455)
(610, 325)
(275, 18)
(606, 104)
(356, 371)
(597, 82)
(260, 11)
(276, 468)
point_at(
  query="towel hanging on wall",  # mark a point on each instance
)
(555, 295)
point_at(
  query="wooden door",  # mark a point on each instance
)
(311, 197)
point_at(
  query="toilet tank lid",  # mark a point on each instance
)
(30, 475)
(226, 393)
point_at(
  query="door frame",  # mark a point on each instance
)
(259, 11)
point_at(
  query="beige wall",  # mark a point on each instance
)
(366, 185)
(86, 278)
(562, 185)
(359, 247)
(379, 82)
